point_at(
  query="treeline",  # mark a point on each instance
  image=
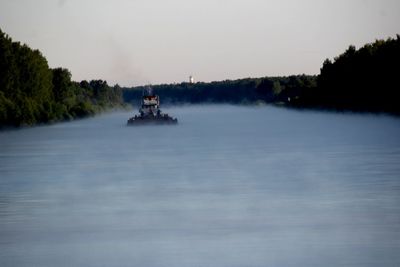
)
(366, 79)
(242, 91)
(32, 93)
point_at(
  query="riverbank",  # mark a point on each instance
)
(32, 93)
(359, 80)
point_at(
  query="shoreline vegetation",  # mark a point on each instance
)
(31, 93)
(363, 80)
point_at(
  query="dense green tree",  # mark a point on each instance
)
(31, 92)
(363, 79)
(25, 81)
(62, 84)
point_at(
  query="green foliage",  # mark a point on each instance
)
(242, 91)
(62, 85)
(365, 79)
(32, 93)
(6, 109)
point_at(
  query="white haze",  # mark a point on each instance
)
(228, 186)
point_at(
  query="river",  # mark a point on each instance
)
(228, 186)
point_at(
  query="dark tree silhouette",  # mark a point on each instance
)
(31, 92)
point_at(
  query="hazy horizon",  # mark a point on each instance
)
(140, 42)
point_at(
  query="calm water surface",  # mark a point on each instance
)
(228, 186)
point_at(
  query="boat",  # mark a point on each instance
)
(150, 112)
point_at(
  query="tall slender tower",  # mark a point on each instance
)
(191, 79)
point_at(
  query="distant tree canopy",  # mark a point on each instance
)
(242, 91)
(31, 92)
(360, 80)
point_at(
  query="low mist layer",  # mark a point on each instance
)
(228, 186)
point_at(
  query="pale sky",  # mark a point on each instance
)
(135, 42)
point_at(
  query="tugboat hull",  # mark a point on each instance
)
(136, 121)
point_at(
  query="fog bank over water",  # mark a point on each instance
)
(228, 186)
